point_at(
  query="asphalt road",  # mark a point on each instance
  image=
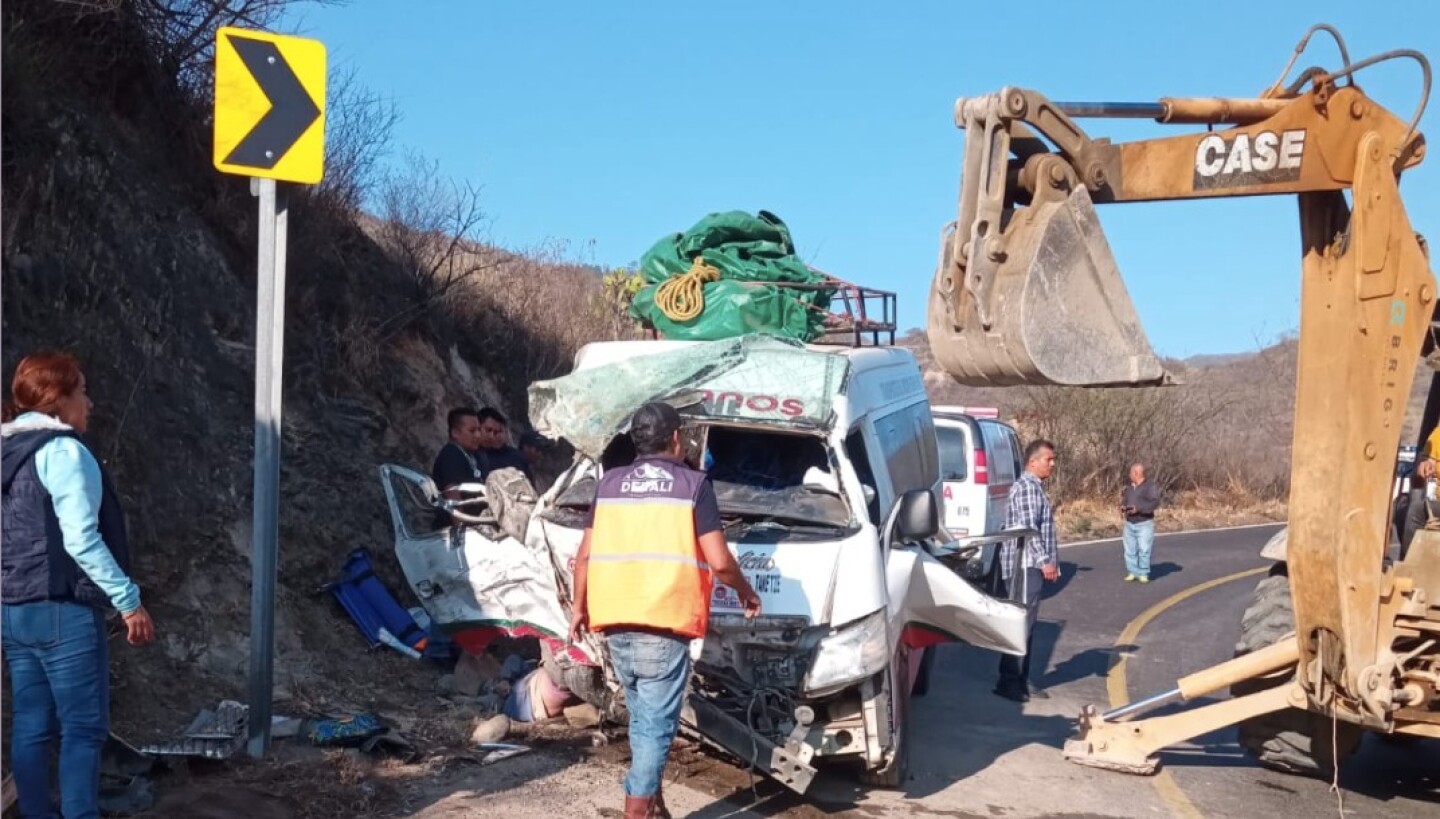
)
(979, 755)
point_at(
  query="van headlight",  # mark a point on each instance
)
(851, 652)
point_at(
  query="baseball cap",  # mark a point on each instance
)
(535, 439)
(655, 421)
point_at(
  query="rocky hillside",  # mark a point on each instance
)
(122, 245)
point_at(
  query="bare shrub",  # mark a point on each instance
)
(431, 226)
(1103, 431)
(182, 32)
(528, 316)
(1225, 428)
(359, 130)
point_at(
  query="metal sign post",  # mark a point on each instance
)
(270, 126)
(269, 358)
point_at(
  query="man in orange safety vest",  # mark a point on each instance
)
(643, 579)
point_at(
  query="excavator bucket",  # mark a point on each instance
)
(1044, 304)
(1027, 291)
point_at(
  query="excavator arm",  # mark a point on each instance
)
(1027, 292)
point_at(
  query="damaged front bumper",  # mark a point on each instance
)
(789, 765)
(777, 693)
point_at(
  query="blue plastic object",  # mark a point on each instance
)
(371, 605)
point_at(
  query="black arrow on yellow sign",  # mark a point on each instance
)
(291, 113)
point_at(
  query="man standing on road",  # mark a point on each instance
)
(1138, 504)
(1023, 574)
(652, 544)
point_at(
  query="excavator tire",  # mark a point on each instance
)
(1291, 741)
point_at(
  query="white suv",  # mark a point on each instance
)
(980, 457)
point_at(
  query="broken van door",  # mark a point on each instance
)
(475, 581)
(940, 606)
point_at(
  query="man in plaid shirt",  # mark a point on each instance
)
(1028, 508)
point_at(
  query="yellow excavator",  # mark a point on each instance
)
(1342, 638)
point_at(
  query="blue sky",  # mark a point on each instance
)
(608, 125)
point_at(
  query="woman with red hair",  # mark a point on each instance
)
(63, 562)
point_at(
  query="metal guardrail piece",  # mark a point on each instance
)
(228, 720)
(207, 748)
(212, 734)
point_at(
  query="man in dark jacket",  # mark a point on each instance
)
(456, 462)
(495, 449)
(1138, 504)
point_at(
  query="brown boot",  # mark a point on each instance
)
(639, 807)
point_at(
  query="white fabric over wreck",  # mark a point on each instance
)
(591, 406)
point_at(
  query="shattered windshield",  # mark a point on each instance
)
(760, 476)
(763, 474)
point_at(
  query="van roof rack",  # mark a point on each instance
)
(858, 316)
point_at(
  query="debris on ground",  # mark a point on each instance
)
(126, 797)
(125, 784)
(496, 751)
(347, 730)
(492, 706)
(376, 612)
(212, 734)
(282, 727)
(390, 743)
(392, 641)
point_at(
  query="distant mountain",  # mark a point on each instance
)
(1266, 376)
(1215, 359)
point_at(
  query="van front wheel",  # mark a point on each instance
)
(896, 767)
(922, 680)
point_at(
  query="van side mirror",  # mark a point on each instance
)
(917, 517)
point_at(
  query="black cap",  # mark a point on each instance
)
(535, 439)
(654, 425)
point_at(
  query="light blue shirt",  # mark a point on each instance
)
(70, 473)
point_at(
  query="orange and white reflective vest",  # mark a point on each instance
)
(646, 566)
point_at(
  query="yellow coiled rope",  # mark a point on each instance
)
(682, 297)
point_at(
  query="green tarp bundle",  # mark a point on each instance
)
(750, 251)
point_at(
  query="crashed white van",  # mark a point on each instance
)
(825, 465)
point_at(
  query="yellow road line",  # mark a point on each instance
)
(1119, 690)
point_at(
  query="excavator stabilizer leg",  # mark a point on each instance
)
(1131, 747)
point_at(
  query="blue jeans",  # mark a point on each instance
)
(59, 672)
(654, 669)
(1139, 542)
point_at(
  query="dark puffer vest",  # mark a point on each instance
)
(33, 562)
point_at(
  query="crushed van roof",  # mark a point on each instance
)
(750, 378)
